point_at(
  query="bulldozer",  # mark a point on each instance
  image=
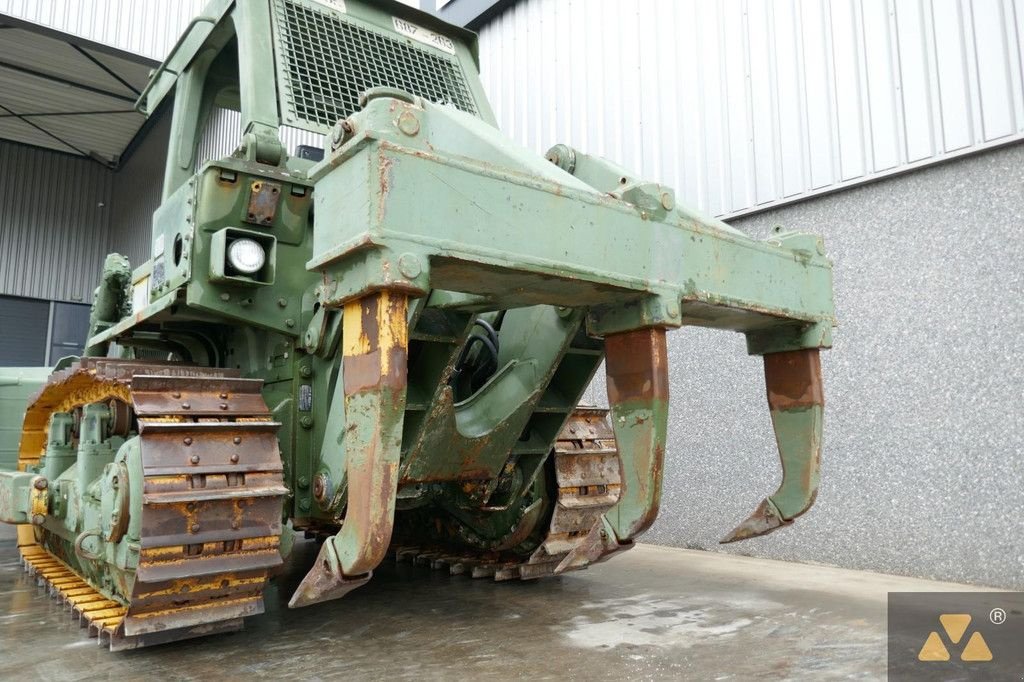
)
(383, 346)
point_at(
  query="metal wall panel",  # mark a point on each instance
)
(138, 188)
(146, 27)
(223, 134)
(743, 104)
(54, 226)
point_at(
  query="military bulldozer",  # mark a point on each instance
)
(384, 348)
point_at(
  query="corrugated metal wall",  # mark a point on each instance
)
(224, 132)
(54, 226)
(138, 188)
(146, 27)
(743, 104)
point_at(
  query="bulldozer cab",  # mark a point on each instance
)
(304, 64)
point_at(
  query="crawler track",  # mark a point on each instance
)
(588, 476)
(212, 494)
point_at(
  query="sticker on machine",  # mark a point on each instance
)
(305, 397)
(424, 35)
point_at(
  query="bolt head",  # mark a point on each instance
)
(38, 520)
(188, 440)
(237, 440)
(41, 484)
(408, 123)
(194, 528)
(234, 459)
(194, 459)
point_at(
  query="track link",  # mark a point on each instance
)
(589, 479)
(212, 494)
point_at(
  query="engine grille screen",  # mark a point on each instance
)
(330, 61)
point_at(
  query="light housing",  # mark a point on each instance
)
(242, 257)
(246, 256)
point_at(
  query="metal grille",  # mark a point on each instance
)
(331, 61)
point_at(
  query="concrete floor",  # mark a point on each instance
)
(652, 613)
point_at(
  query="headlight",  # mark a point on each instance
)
(246, 256)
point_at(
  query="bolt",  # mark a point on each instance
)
(186, 406)
(41, 484)
(237, 440)
(191, 506)
(289, 323)
(38, 519)
(235, 524)
(306, 422)
(304, 505)
(408, 124)
(195, 528)
(223, 406)
(194, 459)
(223, 396)
(305, 371)
(283, 302)
(303, 482)
(225, 297)
(188, 440)
(176, 394)
(234, 459)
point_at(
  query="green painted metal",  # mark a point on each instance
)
(435, 298)
(17, 384)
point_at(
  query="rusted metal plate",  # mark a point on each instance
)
(181, 396)
(263, 200)
(793, 379)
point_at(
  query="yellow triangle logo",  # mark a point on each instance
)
(933, 649)
(955, 625)
(976, 649)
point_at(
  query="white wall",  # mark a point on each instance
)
(741, 104)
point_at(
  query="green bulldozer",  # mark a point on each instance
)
(384, 348)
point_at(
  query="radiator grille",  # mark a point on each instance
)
(330, 61)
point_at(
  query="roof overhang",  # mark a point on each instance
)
(62, 92)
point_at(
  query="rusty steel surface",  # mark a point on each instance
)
(211, 499)
(637, 368)
(375, 345)
(587, 471)
(793, 379)
(796, 399)
(263, 199)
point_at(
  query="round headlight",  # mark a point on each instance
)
(246, 256)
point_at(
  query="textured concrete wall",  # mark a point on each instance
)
(923, 467)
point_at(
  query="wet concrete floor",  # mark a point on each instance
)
(652, 613)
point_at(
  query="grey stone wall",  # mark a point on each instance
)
(923, 466)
